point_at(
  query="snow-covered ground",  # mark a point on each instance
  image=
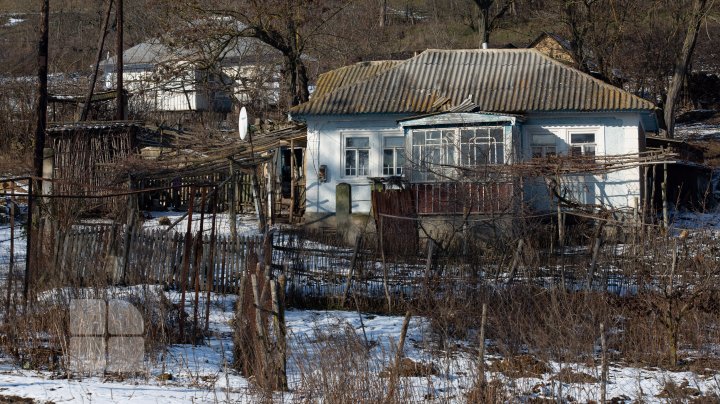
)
(203, 373)
(18, 247)
(697, 131)
(246, 224)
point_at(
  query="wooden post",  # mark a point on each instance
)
(11, 264)
(41, 123)
(429, 260)
(666, 213)
(386, 287)
(395, 372)
(292, 180)
(232, 208)
(515, 262)
(481, 346)
(646, 194)
(258, 200)
(198, 262)
(348, 282)
(561, 226)
(98, 58)
(271, 189)
(654, 191)
(261, 347)
(211, 266)
(120, 96)
(280, 330)
(186, 263)
(401, 344)
(597, 242)
(603, 364)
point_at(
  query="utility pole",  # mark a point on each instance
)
(119, 65)
(42, 91)
(41, 124)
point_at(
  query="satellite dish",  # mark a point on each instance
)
(243, 123)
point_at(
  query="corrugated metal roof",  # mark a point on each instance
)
(148, 54)
(144, 53)
(352, 74)
(496, 80)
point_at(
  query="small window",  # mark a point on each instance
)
(543, 146)
(393, 155)
(357, 156)
(582, 144)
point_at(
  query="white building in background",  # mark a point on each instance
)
(161, 78)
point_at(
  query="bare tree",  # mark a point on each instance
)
(694, 17)
(490, 17)
(286, 25)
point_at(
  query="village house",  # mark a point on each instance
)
(451, 126)
(202, 78)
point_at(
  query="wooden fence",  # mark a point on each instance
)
(103, 254)
(96, 254)
(99, 255)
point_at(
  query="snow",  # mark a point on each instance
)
(697, 131)
(246, 224)
(19, 247)
(203, 374)
(13, 21)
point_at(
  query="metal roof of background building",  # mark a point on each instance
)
(496, 80)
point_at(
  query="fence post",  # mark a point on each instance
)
(211, 266)
(665, 207)
(358, 241)
(280, 330)
(481, 353)
(186, 264)
(198, 262)
(597, 242)
(386, 287)
(11, 264)
(603, 364)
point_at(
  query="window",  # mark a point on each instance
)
(393, 155)
(543, 146)
(481, 146)
(437, 153)
(582, 144)
(357, 156)
(433, 152)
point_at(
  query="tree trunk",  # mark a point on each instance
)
(383, 13)
(699, 10)
(484, 22)
(98, 58)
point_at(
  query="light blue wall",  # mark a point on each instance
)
(616, 133)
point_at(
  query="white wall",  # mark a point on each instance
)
(320, 196)
(615, 134)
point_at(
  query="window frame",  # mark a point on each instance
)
(452, 151)
(584, 146)
(398, 153)
(544, 147)
(356, 149)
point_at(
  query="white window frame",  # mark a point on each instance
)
(398, 153)
(358, 173)
(543, 148)
(587, 149)
(452, 151)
